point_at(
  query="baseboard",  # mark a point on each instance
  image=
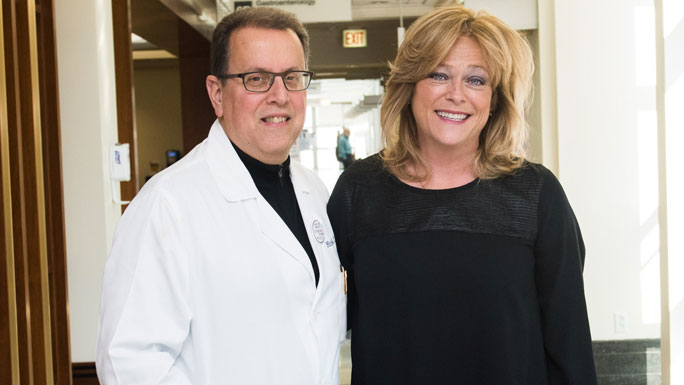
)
(84, 373)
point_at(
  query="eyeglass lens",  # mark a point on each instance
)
(262, 81)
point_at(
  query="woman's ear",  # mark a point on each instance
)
(494, 102)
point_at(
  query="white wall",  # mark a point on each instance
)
(671, 83)
(88, 121)
(534, 111)
(607, 155)
(519, 14)
(545, 85)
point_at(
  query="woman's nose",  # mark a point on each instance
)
(455, 91)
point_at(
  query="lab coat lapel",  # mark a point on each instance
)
(273, 227)
(313, 223)
(230, 174)
(237, 185)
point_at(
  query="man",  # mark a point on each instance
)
(344, 149)
(224, 268)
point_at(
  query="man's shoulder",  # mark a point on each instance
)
(185, 172)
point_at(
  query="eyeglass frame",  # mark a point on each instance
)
(270, 84)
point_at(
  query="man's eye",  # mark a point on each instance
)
(440, 77)
(256, 78)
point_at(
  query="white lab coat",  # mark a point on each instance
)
(205, 284)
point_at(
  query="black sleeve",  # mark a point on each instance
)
(339, 212)
(559, 262)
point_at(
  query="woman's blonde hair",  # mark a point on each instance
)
(508, 57)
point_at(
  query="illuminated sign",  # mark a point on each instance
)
(353, 38)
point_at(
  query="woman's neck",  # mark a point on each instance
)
(443, 172)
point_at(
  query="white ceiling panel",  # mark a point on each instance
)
(316, 11)
(385, 9)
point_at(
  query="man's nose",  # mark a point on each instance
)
(278, 93)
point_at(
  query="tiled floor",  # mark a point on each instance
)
(345, 363)
(624, 362)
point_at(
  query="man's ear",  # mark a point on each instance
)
(215, 95)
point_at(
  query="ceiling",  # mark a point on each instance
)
(153, 20)
(156, 24)
(384, 9)
(204, 14)
(362, 3)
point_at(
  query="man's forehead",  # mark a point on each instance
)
(246, 34)
(259, 48)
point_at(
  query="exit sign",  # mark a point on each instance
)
(353, 38)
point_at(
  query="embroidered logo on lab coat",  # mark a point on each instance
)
(318, 232)
(331, 242)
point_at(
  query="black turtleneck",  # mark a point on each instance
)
(274, 183)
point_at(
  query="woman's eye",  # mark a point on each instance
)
(476, 81)
(440, 77)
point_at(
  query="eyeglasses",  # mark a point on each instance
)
(262, 81)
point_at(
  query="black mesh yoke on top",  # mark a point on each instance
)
(506, 207)
(479, 284)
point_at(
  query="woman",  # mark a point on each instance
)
(464, 260)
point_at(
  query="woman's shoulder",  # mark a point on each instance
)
(366, 170)
(525, 184)
(529, 174)
(532, 170)
(370, 163)
(537, 173)
(532, 183)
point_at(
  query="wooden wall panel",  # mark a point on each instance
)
(156, 23)
(329, 59)
(9, 344)
(54, 206)
(16, 188)
(193, 59)
(34, 260)
(125, 96)
(34, 194)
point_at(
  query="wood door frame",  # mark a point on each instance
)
(125, 96)
(54, 196)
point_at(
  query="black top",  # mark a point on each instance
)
(275, 185)
(479, 284)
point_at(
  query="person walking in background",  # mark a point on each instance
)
(464, 259)
(223, 268)
(345, 154)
